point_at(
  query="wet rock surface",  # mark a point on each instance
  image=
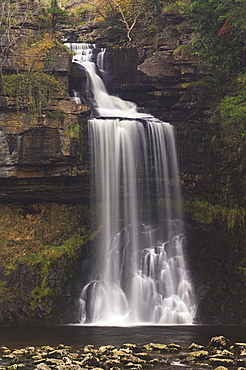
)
(128, 356)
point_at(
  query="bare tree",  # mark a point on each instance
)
(14, 15)
(129, 25)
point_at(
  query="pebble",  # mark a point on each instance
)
(220, 354)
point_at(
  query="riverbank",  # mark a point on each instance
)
(220, 351)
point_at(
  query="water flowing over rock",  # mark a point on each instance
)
(140, 275)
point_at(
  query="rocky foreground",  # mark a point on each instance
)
(220, 354)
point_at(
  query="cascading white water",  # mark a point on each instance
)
(141, 276)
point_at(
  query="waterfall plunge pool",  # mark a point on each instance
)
(184, 335)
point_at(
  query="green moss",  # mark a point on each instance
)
(26, 229)
(49, 254)
(46, 237)
(54, 114)
(47, 258)
(208, 88)
(41, 295)
(183, 51)
(32, 90)
(61, 47)
(3, 288)
(74, 131)
(232, 110)
(178, 7)
(185, 85)
(82, 13)
(205, 213)
(242, 267)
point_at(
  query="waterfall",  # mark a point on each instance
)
(140, 275)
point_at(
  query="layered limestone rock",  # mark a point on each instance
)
(43, 175)
(40, 149)
(160, 74)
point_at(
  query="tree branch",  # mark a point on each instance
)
(123, 20)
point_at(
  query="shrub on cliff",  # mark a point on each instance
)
(218, 42)
(232, 110)
(32, 90)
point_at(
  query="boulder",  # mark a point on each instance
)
(132, 366)
(172, 347)
(54, 361)
(195, 347)
(193, 357)
(221, 361)
(238, 348)
(110, 363)
(241, 362)
(223, 354)
(106, 349)
(162, 347)
(219, 342)
(10, 357)
(89, 348)
(67, 361)
(133, 347)
(154, 361)
(69, 367)
(42, 366)
(20, 352)
(90, 360)
(143, 356)
(4, 350)
(121, 352)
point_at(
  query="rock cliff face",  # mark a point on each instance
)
(44, 180)
(43, 186)
(32, 154)
(161, 75)
(41, 146)
(164, 82)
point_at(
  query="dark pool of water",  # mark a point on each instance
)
(15, 337)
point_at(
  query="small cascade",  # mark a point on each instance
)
(141, 276)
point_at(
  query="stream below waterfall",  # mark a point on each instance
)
(16, 337)
(139, 274)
